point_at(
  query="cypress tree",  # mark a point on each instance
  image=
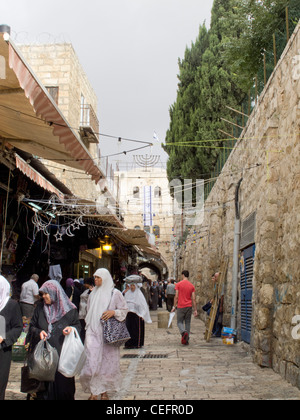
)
(206, 87)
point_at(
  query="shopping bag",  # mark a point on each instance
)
(172, 314)
(28, 385)
(72, 357)
(43, 362)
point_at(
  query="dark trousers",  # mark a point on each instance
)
(5, 362)
(184, 316)
(170, 302)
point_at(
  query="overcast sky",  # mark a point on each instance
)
(129, 50)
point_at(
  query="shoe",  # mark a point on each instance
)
(185, 338)
(104, 396)
(93, 397)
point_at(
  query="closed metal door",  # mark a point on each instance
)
(247, 267)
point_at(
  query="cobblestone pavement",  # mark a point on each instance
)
(200, 371)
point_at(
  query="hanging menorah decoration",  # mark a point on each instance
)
(146, 161)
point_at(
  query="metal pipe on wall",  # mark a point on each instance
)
(236, 250)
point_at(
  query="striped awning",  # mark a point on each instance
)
(30, 119)
(37, 177)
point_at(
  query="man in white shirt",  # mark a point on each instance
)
(29, 295)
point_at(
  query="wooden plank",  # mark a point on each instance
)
(218, 290)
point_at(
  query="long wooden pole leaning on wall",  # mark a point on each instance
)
(214, 308)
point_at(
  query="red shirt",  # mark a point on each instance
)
(185, 289)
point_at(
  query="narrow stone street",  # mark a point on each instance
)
(166, 370)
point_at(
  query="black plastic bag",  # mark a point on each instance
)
(43, 362)
(206, 307)
(30, 386)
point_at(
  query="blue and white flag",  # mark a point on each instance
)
(155, 136)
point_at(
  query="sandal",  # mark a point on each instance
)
(104, 396)
(93, 397)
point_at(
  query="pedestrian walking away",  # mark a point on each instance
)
(53, 319)
(170, 293)
(185, 301)
(154, 290)
(138, 314)
(73, 291)
(11, 326)
(101, 372)
(145, 289)
(29, 296)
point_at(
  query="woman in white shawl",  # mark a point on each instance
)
(11, 325)
(101, 372)
(138, 313)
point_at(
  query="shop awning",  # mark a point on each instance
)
(30, 119)
(37, 178)
(137, 238)
(117, 230)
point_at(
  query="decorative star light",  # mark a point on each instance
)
(58, 236)
(75, 225)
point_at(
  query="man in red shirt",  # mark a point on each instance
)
(185, 301)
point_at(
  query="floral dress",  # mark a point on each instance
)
(101, 372)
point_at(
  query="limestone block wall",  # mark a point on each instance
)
(267, 157)
(57, 65)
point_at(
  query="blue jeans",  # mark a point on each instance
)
(184, 316)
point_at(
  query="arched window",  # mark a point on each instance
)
(137, 228)
(136, 192)
(157, 192)
(147, 229)
(156, 232)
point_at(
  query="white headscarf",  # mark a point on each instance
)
(136, 303)
(4, 292)
(99, 299)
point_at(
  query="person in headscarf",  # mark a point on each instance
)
(101, 372)
(53, 319)
(73, 291)
(154, 296)
(138, 313)
(11, 325)
(145, 289)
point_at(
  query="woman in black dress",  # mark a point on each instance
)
(52, 320)
(138, 314)
(11, 328)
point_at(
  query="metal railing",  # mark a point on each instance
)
(88, 119)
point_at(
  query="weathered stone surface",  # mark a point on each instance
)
(270, 169)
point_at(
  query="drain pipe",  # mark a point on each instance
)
(236, 250)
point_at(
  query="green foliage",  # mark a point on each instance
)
(217, 71)
(205, 88)
(260, 20)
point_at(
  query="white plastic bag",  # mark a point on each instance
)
(172, 314)
(72, 357)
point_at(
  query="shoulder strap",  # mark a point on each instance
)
(112, 293)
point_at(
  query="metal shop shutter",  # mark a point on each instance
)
(247, 266)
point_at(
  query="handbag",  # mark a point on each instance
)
(115, 332)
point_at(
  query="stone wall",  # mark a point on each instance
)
(57, 65)
(267, 157)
